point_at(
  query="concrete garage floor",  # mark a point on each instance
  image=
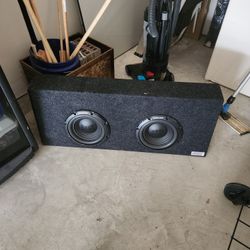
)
(82, 199)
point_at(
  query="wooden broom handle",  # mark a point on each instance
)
(65, 27)
(35, 10)
(90, 29)
(38, 27)
(33, 6)
(59, 9)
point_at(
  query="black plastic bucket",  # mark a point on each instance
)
(54, 68)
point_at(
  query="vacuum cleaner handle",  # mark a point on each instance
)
(153, 33)
(232, 98)
(242, 85)
(152, 28)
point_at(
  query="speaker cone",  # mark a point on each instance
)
(88, 128)
(158, 132)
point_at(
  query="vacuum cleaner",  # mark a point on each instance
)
(160, 19)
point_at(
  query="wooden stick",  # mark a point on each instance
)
(35, 10)
(33, 6)
(90, 29)
(38, 54)
(62, 51)
(41, 55)
(40, 31)
(65, 27)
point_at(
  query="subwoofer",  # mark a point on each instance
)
(163, 117)
(87, 128)
(158, 132)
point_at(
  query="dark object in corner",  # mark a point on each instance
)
(216, 23)
(17, 144)
(185, 16)
(238, 193)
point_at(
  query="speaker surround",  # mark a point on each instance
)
(161, 117)
(87, 127)
(158, 132)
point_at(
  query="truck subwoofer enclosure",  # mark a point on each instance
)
(163, 117)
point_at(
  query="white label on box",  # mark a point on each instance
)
(196, 153)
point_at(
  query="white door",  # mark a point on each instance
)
(121, 25)
(230, 61)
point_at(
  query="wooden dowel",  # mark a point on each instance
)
(33, 6)
(42, 55)
(61, 52)
(65, 27)
(39, 29)
(35, 10)
(90, 29)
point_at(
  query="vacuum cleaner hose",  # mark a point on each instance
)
(152, 28)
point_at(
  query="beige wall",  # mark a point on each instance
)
(15, 39)
(121, 26)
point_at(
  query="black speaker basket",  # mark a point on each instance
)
(87, 127)
(159, 132)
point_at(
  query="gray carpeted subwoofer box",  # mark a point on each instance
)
(163, 117)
